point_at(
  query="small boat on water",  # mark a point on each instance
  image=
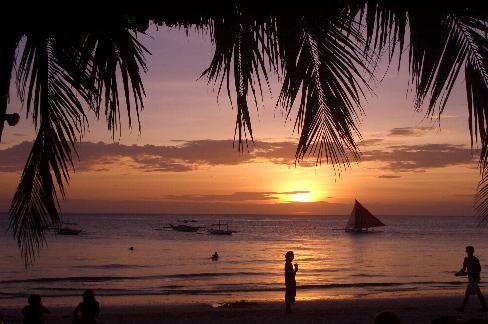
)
(185, 228)
(66, 228)
(220, 229)
(361, 220)
(68, 231)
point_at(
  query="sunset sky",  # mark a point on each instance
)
(183, 161)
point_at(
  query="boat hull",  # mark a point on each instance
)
(219, 232)
(185, 228)
(360, 231)
(68, 231)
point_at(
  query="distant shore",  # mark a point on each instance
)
(410, 309)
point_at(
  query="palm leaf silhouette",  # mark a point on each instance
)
(108, 53)
(57, 73)
(49, 85)
(238, 40)
(325, 69)
(7, 61)
(456, 39)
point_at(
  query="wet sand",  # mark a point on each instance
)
(409, 309)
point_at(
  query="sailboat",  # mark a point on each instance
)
(361, 220)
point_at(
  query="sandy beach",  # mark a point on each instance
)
(410, 310)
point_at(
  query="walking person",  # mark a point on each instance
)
(472, 268)
(290, 282)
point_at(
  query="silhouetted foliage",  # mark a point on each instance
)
(324, 55)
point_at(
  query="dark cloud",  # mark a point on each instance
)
(472, 196)
(235, 197)
(386, 176)
(409, 131)
(192, 155)
(203, 207)
(181, 157)
(298, 192)
(370, 142)
(418, 158)
(13, 159)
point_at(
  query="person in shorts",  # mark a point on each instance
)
(472, 267)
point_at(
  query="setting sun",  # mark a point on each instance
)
(303, 190)
(302, 197)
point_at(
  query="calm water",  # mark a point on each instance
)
(413, 255)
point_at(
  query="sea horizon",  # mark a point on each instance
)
(6, 213)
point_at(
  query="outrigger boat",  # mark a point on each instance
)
(68, 231)
(185, 228)
(218, 230)
(361, 220)
(64, 229)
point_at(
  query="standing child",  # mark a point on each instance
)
(472, 267)
(290, 282)
(33, 312)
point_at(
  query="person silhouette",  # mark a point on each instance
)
(34, 310)
(89, 308)
(472, 267)
(215, 256)
(387, 318)
(290, 282)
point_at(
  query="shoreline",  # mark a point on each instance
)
(409, 309)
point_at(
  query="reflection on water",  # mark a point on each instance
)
(413, 255)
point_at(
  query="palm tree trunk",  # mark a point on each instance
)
(9, 43)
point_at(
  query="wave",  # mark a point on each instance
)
(111, 266)
(153, 277)
(366, 275)
(220, 289)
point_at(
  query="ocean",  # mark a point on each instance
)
(412, 255)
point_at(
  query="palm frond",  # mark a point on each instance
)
(476, 75)
(50, 85)
(57, 72)
(9, 42)
(112, 55)
(437, 45)
(442, 42)
(481, 201)
(324, 64)
(455, 40)
(240, 41)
